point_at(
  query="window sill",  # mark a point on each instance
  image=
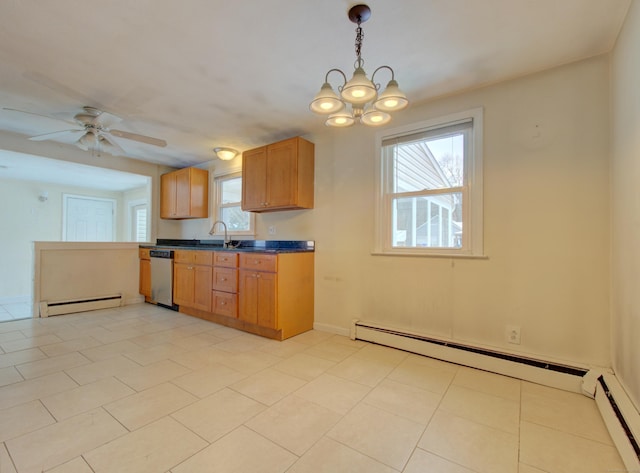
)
(429, 255)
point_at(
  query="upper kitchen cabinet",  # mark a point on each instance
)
(184, 194)
(278, 176)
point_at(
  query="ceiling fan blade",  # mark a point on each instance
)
(55, 134)
(69, 122)
(141, 138)
(110, 146)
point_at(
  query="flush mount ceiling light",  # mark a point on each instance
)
(226, 154)
(361, 93)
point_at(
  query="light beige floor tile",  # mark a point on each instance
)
(285, 349)
(55, 364)
(489, 383)
(156, 353)
(304, 366)
(199, 340)
(225, 333)
(6, 465)
(150, 405)
(151, 375)
(249, 362)
(25, 391)
(246, 342)
(10, 336)
(22, 419)
(59, 443)
(387, 438)
(268, 386)
(381, 354)
(294, 423)
(422, 461)
(472, 445)
(522, 468)
(110, 350)
(26, 343)
(403, 400)
(312, 337)
(332, 392)
(208, 380)
(154, 448)
(114, 366)
(9, 375)
(86, 397)
(333, 350)
(562, 410)
(487, 409)
(559, 452)
(77, 465)
(424, 373)
(215, 416)
(201, 357)
(329, 456)
(363, 371)
(242, 451)
(69, 346)
(23, 356)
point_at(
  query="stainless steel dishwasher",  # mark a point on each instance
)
(162, 278)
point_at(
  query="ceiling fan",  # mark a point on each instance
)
(95, 133)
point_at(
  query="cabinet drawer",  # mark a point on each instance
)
(225, 279)
(259, 262)
(224, 303)
(203, 257)
(143, 253)
(223, 258)
(184, 256)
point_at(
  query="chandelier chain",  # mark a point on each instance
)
(359, 38)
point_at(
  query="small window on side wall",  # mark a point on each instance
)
(430, 188)
(228, 197)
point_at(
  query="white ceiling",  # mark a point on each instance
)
(207, 73)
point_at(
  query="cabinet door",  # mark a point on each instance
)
(254, 170)
(183, 284)
(267, 300)
(167, 195)
(145, 278)
(248, 296)
(257, 298)
(281, 174)
(183, 193)
(225, 279)
(202, 287)
(223, 303)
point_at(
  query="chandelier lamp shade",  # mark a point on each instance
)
(359, 99)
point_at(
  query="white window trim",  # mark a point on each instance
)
(474, 235)
(215, 195)
(130, 206)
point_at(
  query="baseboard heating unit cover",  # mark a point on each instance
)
(48, 308)
(556, 375)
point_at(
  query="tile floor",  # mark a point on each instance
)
(15, 311)
(144, 389)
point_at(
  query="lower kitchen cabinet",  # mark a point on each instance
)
(191, 281)
(145, 273)
(258, 298)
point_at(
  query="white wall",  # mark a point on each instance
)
(625, 196)
(546, 209)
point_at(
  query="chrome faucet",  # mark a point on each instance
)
(224, 225)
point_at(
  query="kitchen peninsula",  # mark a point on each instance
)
(262, 287)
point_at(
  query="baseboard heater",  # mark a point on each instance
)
(48, 308)
(556, 375)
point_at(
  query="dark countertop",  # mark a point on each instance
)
(242, 246)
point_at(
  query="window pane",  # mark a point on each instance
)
(433, 221)
(231, 190)
(431, 163)
(235, 218)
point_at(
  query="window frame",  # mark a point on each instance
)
(472, 189)
(217, 206)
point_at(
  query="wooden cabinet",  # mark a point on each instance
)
(276, 292)
(145, 273)
(184, 194)
(192, 277)
(278, 176)
(224, 298)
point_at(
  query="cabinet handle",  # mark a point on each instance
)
(189, 267)
(223, 279)
(223, 303)
(257, 261)
(257, 275)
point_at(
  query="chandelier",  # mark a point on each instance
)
(360, 93)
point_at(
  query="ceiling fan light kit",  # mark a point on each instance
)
(225, 154)
(360, 92)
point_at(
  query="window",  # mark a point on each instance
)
(138, 221)
(228, 196)
(430, 187)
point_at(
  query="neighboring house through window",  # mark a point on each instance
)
(430, 187)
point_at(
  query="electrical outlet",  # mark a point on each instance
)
(272, 230)
(512, 333)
